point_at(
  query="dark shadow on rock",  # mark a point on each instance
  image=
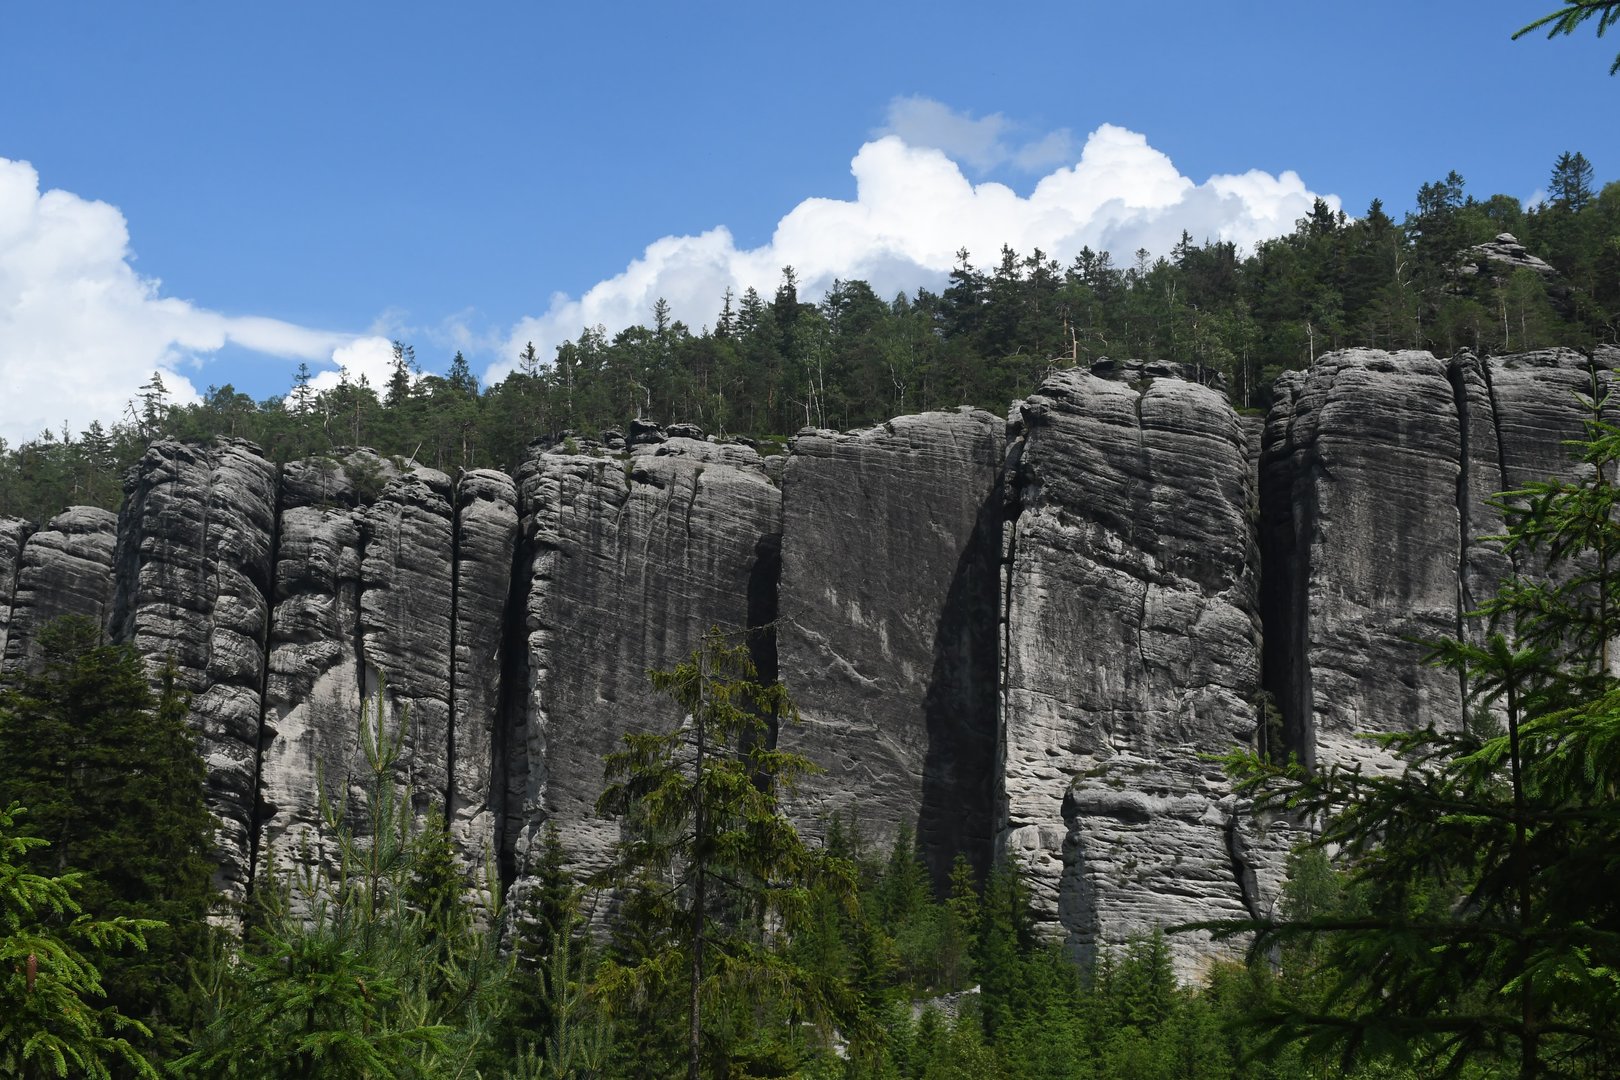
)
(960, 707)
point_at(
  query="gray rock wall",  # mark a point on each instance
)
(14, 532)
(887, 626)
(1378, 476)
(316, 678)
(1362, 463)
(194, 553)
(485, 546)
(630, 561)
(1132, 649)
(1027, 637)
(65, 568)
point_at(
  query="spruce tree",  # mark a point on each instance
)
(711, 859)
(112, 778)
(53, 1021)
(1484, 931)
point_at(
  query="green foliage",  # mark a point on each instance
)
(1474, 924)
(370, 968)
(708, 858)
(50, 952)
(111, 774)
(772, 365)
(1569, 18)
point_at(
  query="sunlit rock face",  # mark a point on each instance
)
(1377, 480)
(1131, 653)
(64, 568)
(1027, 636)
(887, 627)
(625, 562)
(194, 566)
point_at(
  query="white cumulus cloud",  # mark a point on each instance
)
(80, 330)
(914, 208)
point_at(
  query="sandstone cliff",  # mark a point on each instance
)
(1027, 635)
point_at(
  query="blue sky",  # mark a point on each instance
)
(222, 191)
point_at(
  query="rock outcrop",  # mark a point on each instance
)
(315, 678)
(1378, 476)
(63, 569)
(1132, 650)
(1028, 635)
(886, 629)
(13, 533)
(485, 543)
(194, 558)
(1363, 538)
(628, 562)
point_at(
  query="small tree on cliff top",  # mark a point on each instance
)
(703, 826)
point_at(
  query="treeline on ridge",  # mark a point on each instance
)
(770, 366)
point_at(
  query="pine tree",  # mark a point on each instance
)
(1570, 186)
(116, 784)
(710, 854)
(51, 1021)
(1569, 18)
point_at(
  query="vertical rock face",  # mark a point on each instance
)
(1378, 476)
(630, 562)
(1131, 650)
(14, 533)
(66, 568)
(1363, 545)
(407, 593)
(1034, 643)
(195, 544)
(887, 626)
(315, 678)
(485, 542)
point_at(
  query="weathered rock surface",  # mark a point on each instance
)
(629, 562)
(485, 543)
(1378, 476)
(64, 569)
(1363, 543)
(1132, 649)
(1027, 633)
(195, 544)
(887, 627)
(315, 679)
(406, 629)
(1501, 257)
(14, 532)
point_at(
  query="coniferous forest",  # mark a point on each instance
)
(772, 365)
(1452, 920)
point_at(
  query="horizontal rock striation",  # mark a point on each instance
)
(65, 568)
(194, 569)
(1131, 651)
(486, 532)
(316, 677)
(887, 627)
